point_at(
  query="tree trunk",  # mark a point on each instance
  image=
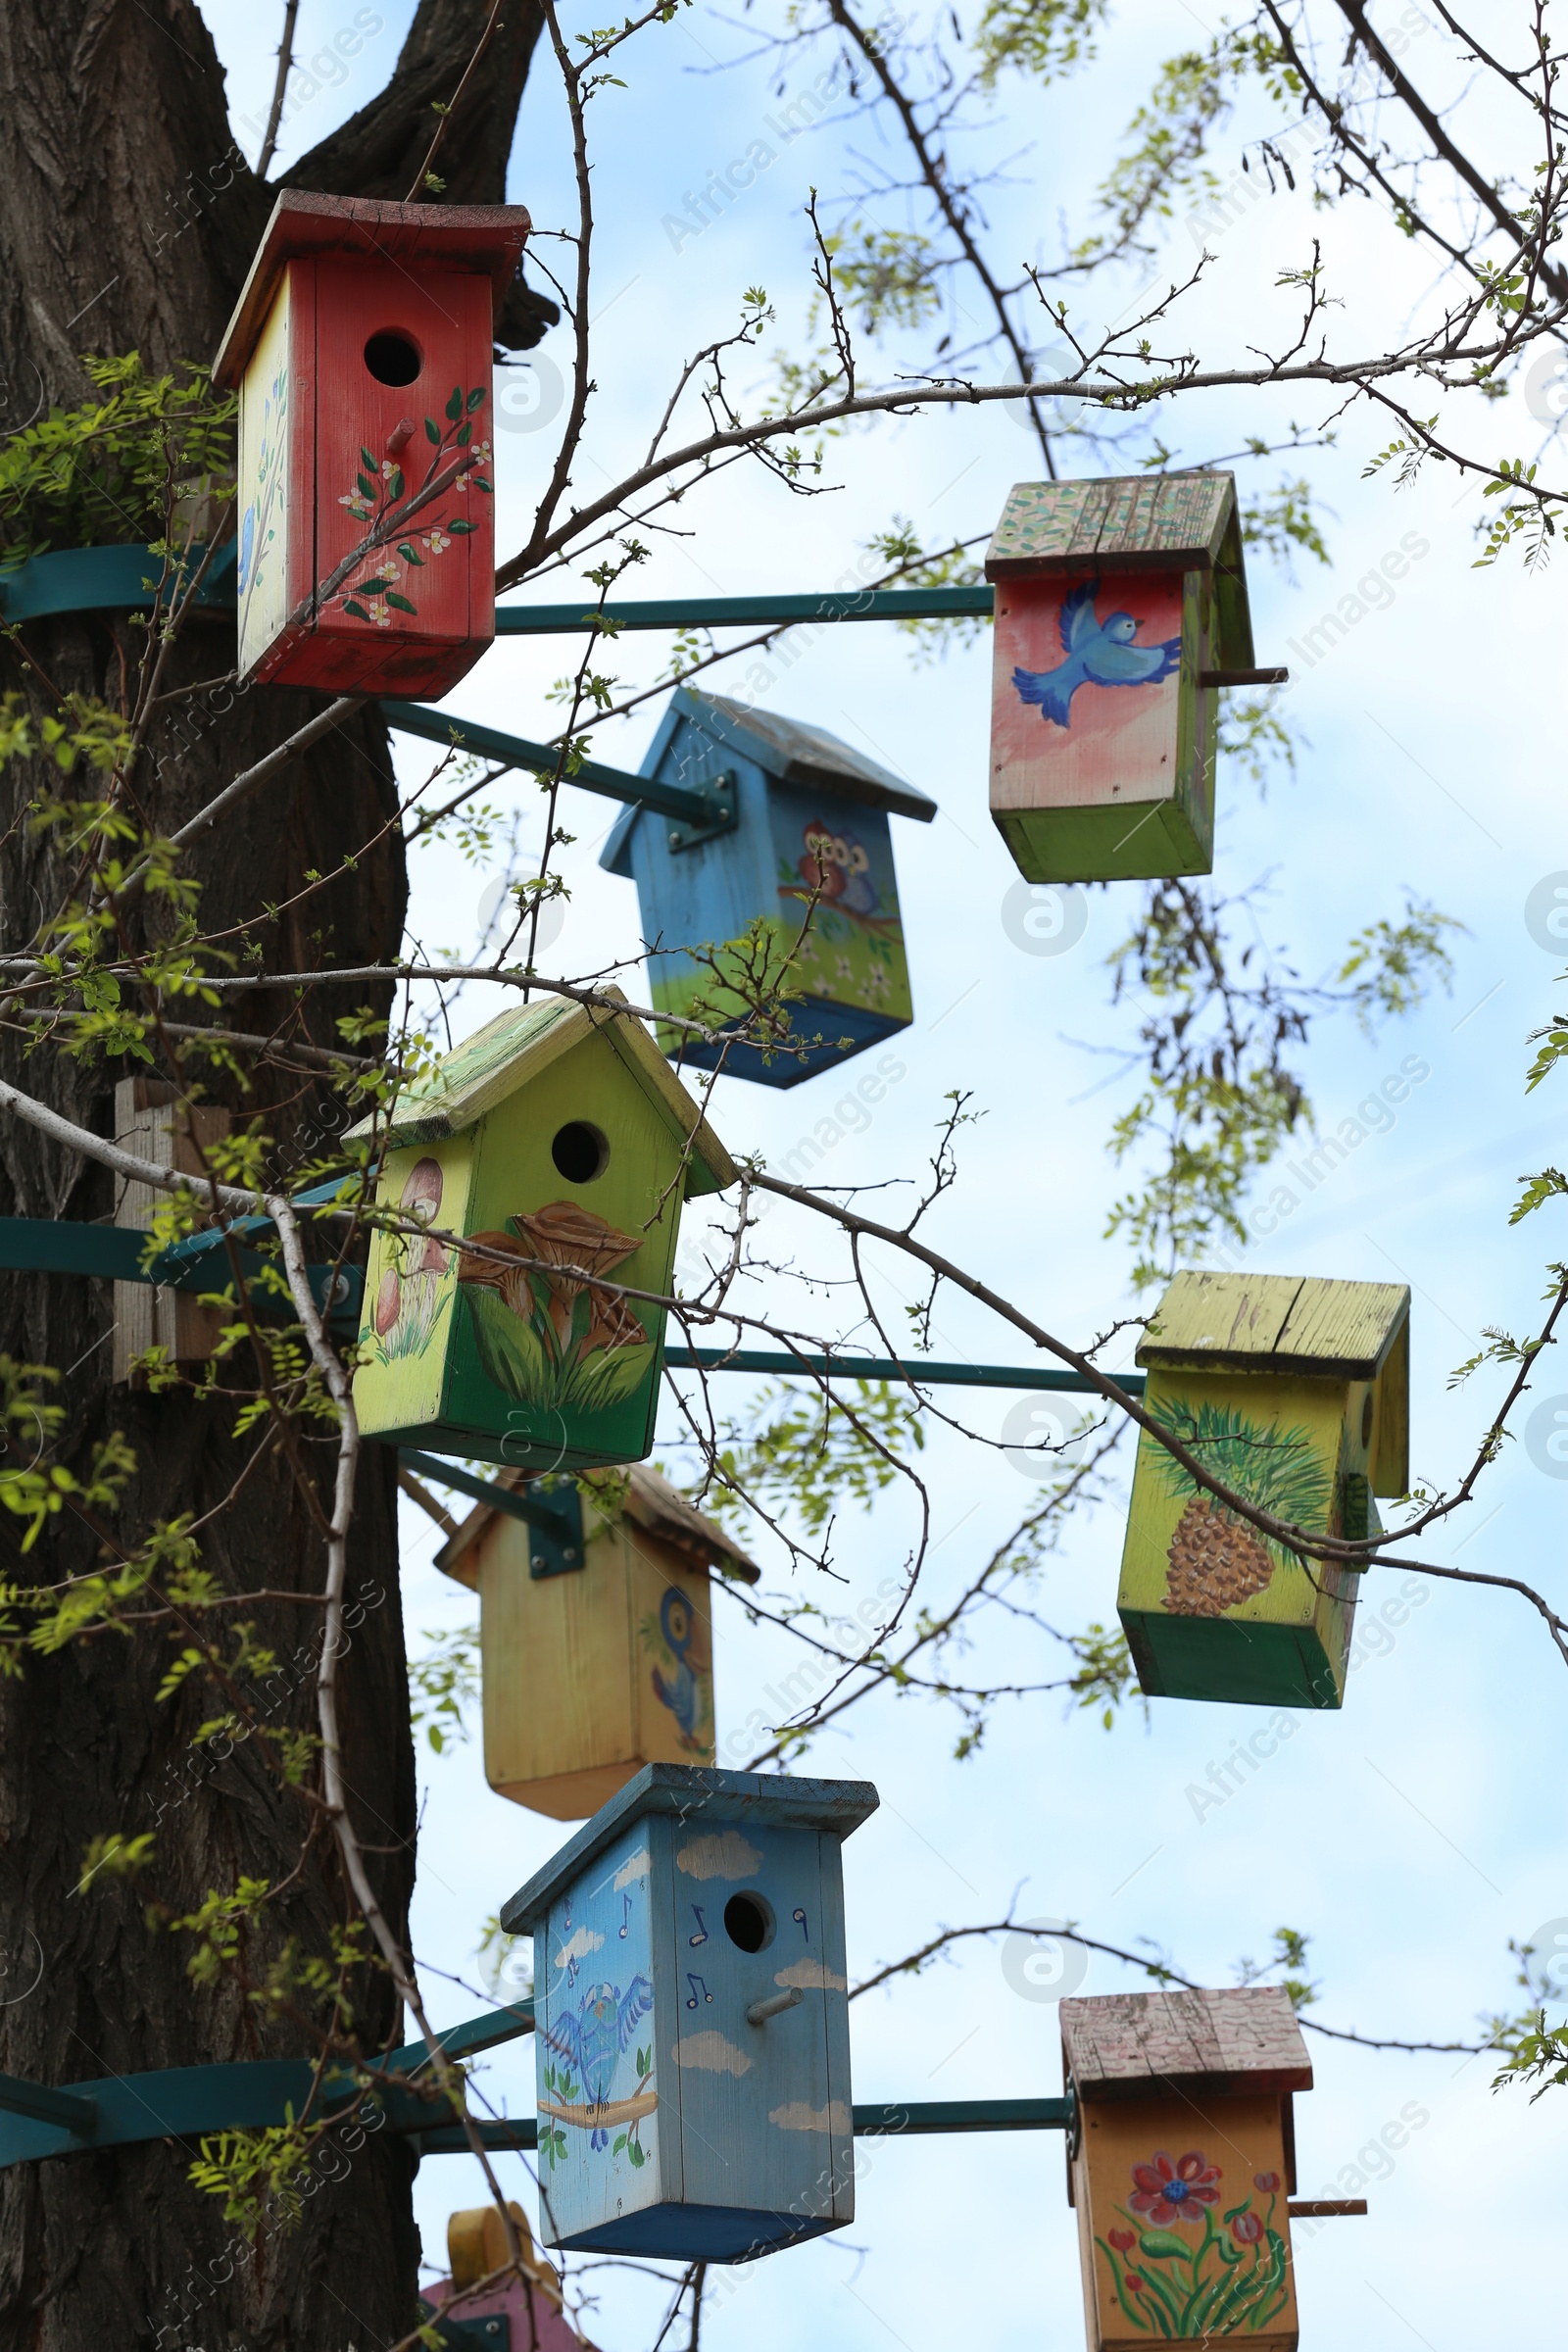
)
(127, 223)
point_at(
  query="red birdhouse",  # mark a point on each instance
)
(362, 351)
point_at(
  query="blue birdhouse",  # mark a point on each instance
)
(692, 2014)
(801, 883)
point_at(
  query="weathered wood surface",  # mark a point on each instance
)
(1166, 522)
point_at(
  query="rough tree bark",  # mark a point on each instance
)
(127, 223)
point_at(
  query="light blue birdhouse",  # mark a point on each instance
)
(809, 858)
(692, 2008)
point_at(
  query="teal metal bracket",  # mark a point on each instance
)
(748, 612)
(719, 792)
(777, 1364)
(118, 1253)
(555, 1524)
(906, 2119)
(493, 2334)
(701, 810)
(191, 2103)
(96, 579)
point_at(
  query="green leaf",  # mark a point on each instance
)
(400, 603)
(464, 435)
(455, 404)
(409, 553)
(479, 482)
(432, 431)
(1164, 2245)
(394, 483)
(357, 611)
(634, 2151)
(366, 488)
(620, 2144)
(476, 398)
(456, 526)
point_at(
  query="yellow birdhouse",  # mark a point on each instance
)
(1294, 1393)
(1184, 2163)
(590, 1675)
(559, 1139)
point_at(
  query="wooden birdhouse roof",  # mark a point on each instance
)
(1286, 1323)
(650, 1503)
(514, 1047)
(1138, 522)
(1126, 2045)
(705, 1799)
(485, 239)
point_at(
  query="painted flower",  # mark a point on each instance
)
(1123, 2240)
(380, 613)
(1268, 2181)
(357, 505)
(1247, 2229)
(436, 541)
(479, 456)
(1134, 2279)
(1174, 2192)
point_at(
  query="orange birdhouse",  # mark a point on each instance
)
(1184, 2162)
(362, 351)
(1121, 610)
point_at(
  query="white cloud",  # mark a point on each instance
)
(798, 2117)
(718, 1857)
(811, 1975)
(711, 2053)
(631, 1871)
(578, 1946)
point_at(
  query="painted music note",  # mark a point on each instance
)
(701, 1936)
(693, 1981)
(626, 1917)
(805, 1930)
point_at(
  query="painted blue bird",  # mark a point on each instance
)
(682, 1693)
(594, 2039)
(1099, 654)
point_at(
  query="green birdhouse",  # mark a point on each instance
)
(1120, 612)
(1295, 1393)
(560, 1141)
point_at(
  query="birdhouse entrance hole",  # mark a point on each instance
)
(393, 357)
(581, 1151)
(748, 1923)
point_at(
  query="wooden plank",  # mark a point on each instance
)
(1226, 2042)
(1219, 1321)
(1127, 523)
(1391, 1437)
(152, 1121)
(1342, 1329)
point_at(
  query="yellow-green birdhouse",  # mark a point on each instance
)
(560, 1142)
(590, 1675)
(1294, 1393)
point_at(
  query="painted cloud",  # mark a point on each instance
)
(637, 1867)
(711, 2053)
(798, 2117)
(811, 1975)
(578, 1946)
(718, 1857)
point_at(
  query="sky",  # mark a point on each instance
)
(1413, 1834)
